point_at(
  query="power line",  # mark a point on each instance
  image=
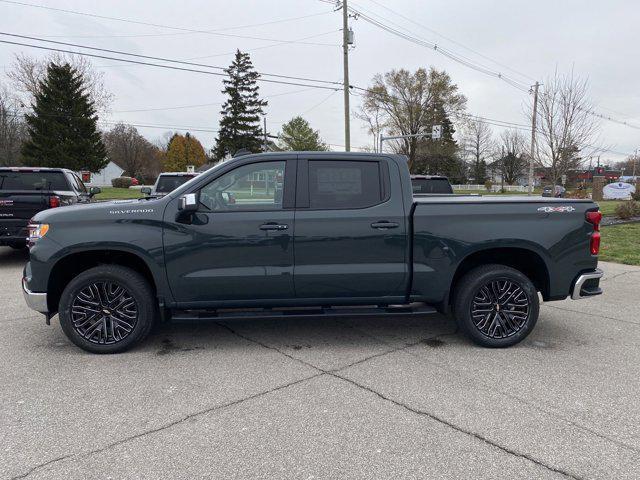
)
(170, 67)
(217, 30)
(453, 41)
(149, 24)
(198, 105)
(162, 59)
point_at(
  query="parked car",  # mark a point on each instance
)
(430, 184)
(364, 245)
(550, 191)
(167, 182)
(27, 191)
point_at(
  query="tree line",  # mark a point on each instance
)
(52, 119)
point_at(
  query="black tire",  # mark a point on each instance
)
(496, 306)
(107, 309)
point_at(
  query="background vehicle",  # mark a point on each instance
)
(361, 238)
(426, 184)
(167, 182)
(550, 191)
(27, 191)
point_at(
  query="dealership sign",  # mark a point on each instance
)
(618, 191)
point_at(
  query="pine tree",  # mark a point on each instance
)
(240, 124)
(63, 126)
(298, 135)
(439, 157)
(183, 150)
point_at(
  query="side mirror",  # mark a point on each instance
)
(94, 191)
(145, 190)
(188, 203)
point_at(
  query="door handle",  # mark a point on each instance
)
(274, 226)
(383, 225)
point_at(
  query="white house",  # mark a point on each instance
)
(103, 177)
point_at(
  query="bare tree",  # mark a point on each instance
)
(478, 145)
(13, 130)
(406, 102)
(566, 128)
(28, 72)
(514, 157)
(374, 122)
(130, 150)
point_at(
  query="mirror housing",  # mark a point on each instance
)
(145, 190)
(94, 191)
(188, 203)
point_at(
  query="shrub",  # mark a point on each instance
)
(121, 182)
(577, 194)
(636, 195)
(488, 185)
(628, 210)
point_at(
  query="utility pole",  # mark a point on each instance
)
(264, 130)
(345, 54)
(635, 160)
(534, 117)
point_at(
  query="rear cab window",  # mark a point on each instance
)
(336, 184)
(33, 180)
(431, 185)
(168, 183)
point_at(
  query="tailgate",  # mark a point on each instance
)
(22, 205)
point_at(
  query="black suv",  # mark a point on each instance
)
(25, 191)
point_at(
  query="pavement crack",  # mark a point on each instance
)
(591, 314)
(455, 427)
(165, 426)
(607, 278)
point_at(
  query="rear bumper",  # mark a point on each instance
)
(587, 285)
(13, 232)
(35, 301)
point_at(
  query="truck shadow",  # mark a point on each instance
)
(304, 335)
(13, 258)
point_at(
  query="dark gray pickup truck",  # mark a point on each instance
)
(25, 191)
(308, 234)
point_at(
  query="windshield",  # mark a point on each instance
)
(27, 180)
(168, 183)
(431, 185)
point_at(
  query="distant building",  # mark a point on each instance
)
(103, 177)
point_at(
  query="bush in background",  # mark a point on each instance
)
(636, 195)
(577, 194)
(121, 182)
(628, 210)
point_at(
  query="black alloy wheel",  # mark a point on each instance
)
(500, 308)
(104, 313)
(107, 309)
(495, 305)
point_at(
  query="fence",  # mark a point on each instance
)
(494, 188)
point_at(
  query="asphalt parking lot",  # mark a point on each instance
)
(326, 399)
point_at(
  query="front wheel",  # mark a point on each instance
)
(107, 309)
(496, 306)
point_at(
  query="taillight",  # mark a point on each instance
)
(595, 243)
(54, 201)
(594, 218)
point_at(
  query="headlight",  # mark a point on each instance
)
(36, 232)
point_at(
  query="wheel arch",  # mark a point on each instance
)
(525, 260)
(71, 265)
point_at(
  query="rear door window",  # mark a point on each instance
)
(344, 184)
(30, 180)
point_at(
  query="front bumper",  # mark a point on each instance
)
(587, 285)
(36, 301)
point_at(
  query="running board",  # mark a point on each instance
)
(293, 312)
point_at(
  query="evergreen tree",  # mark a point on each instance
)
(298, 135)
(439, 157)
(62, 128)
(240, 124)
(183, 150)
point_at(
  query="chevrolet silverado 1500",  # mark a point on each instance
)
(308, 233)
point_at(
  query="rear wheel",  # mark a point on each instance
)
(107, 309)
(496, 305)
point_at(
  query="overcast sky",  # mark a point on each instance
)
(597, 39)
